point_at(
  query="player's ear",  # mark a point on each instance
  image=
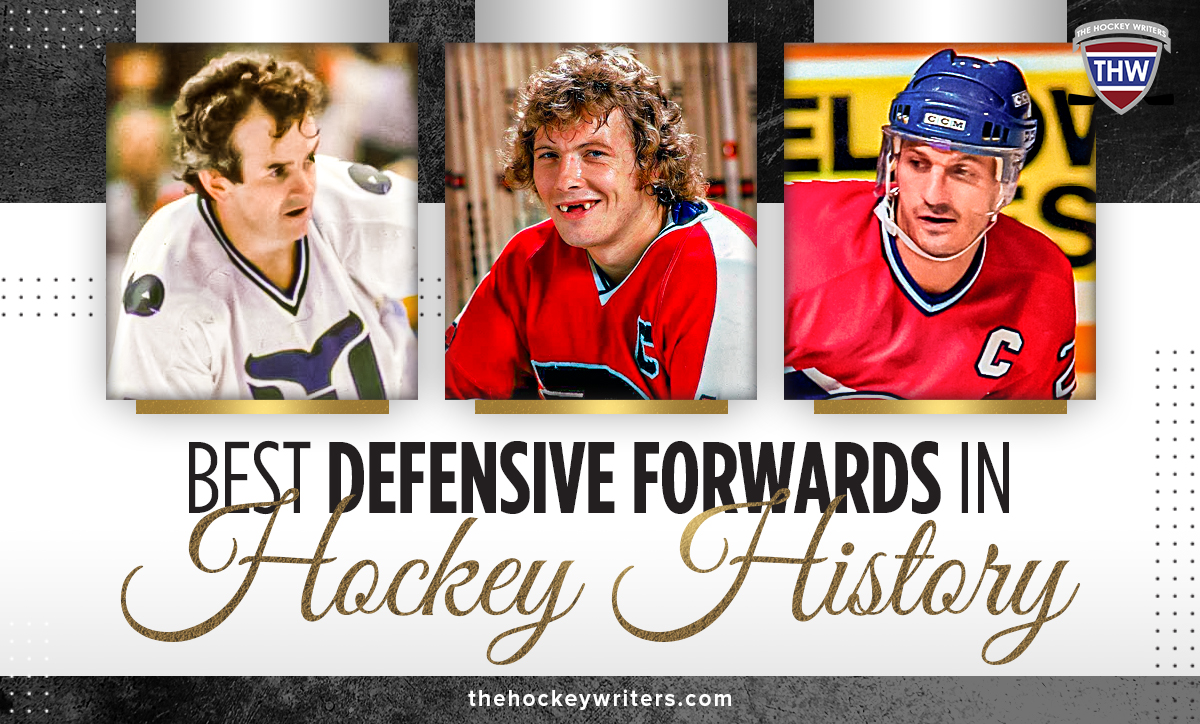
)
(217, 186)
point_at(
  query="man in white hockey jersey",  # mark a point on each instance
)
(287, 275)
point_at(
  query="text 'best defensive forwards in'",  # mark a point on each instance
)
(636, 287)
(917, 286)
(286, 274)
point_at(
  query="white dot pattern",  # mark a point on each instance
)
(87, 27)
(28, 697)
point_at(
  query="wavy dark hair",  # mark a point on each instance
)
(214, 100)
(585, 85)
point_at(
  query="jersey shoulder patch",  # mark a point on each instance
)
(369, 178)
(143, 296)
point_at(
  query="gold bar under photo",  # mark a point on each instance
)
(940, 407)
(262, 407)
(601, 407)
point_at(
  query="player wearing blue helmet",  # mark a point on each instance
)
(966, 122)
(920, 287)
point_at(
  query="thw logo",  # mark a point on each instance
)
(1121, 69)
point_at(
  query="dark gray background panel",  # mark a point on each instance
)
(770, 24)
(52, 79)
(831, 700)
(430, 24)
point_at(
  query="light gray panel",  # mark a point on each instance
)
(627, 21)
(256, 21)
(936, 21)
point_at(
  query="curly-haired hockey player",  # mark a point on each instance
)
(917, 286)
(284, 276)
(636, 287)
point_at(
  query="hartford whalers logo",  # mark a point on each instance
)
(1120, 65)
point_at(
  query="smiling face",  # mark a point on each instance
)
(587, 177)
(945, 198)
(273, 202)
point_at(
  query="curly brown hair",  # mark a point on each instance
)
(585, 85)
(214, 100)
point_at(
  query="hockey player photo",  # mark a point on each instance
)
(265, 269)
(918, 284)
(635, 275)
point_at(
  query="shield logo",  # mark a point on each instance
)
(1121, 70)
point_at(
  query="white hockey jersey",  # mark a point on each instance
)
(199, 321)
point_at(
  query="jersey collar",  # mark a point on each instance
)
(681, 215)
(288, 298)
(928, 304)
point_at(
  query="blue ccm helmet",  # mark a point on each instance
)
(963, 104)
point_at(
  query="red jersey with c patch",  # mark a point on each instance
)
(857, 325)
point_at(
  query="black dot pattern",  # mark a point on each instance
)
(62, 297)
(1174, 403)
(435, 299)
(1174, 700)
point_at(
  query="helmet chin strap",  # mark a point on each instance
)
(886, 213)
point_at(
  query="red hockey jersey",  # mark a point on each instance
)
(857, 325)
(681, 325)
